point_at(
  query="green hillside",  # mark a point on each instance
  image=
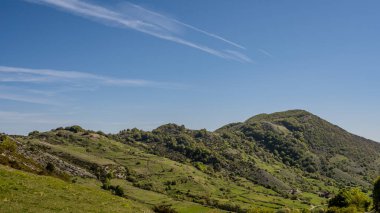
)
(25, 192)
(303, 140)
(272, 162)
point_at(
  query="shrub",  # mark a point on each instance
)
(118, 191)
(200, 166)
(75, 129)
(318, 210)
(164, 209)
(284, 210)
(106, 184)
(259, 211)
(351, 209)
(350, 197)
(7, 144)
(376, 195)
(50, 167)
(33, 133)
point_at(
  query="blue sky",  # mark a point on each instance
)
(111, 65)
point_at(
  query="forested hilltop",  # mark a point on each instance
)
(282, 162)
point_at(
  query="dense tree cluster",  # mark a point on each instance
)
(349, 200)
(376, 195)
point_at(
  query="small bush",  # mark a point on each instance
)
(33, 133)
(6, 144)
(75, 129)
(119, 191)
(351, 209)
(259, 211)
(116, 190)
(164, 209)
(106, 184)
(50, 167)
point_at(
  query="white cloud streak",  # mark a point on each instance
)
(191, 27)
(42, 86)
(18, 74)
(30, 118)
(240, 57)
(265, 53)
(145, 21)
(26, 99)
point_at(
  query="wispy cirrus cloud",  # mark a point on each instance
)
(146, 21)
(239, 56)
(43, 86)
(155, 15)
(27, 75)
(30, 118)
(265, 52)
(26, 99)
(26, 95)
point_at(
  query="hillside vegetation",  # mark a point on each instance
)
(25, 192)
(271, 162)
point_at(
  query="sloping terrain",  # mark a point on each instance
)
(283, 160)
(25, 192)
(301, 139)
(283, 151)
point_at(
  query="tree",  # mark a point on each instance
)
(75, 129)
(350, 197)
(376, 195)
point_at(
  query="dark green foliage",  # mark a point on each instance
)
(284, 145)
(376, 195)
(350, 198)
(260, 211)
(209, 152)
(350, 209)
(146, 186)
(50, 167)
(296, 138)
(33, 133)
(230, 207)
(7, 144)
(106, 184)
(303, 140)
(75, 129)
(339, 201)
(116, 190)
(164, 209)
(101, 133)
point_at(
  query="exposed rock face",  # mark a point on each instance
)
(35, 154)
(64, 166)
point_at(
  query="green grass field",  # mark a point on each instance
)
(25, 192)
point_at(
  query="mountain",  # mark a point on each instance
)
(291, 159)
(303, 140)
